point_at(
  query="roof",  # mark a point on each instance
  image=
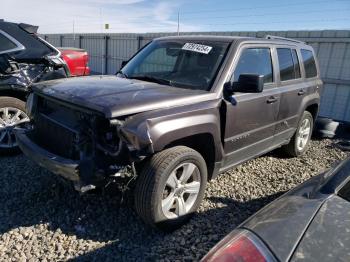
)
(205, 37)
(267, 39)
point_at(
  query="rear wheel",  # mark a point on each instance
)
(12, 113)
(301, 139)
(171, 187)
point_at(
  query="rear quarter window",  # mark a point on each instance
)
(309, 63)
(6, 44)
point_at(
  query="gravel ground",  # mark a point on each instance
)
(41, 219)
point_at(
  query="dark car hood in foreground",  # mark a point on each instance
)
(283, 223)
(115, 96)
(328, 236)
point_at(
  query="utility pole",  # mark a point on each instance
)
(178, 23)
(74, 30)
(102, 46)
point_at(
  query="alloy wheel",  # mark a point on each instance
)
(9, 118)
(181, 190)
(304, 134)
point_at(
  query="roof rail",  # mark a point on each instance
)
(283, 38)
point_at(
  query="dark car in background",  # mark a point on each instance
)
(309, 223)
(25, 59)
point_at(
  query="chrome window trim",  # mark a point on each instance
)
(19, 47)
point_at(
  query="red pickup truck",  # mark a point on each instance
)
(77, 60)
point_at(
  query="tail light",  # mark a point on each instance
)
(86, 57)
(240, 246)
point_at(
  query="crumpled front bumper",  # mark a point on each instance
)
(66, 168)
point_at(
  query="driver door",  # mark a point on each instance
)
(250, 117)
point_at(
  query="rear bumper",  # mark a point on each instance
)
(66, 168)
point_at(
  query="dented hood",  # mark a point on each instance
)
(114, 96)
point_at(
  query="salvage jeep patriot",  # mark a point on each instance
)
(179, 112)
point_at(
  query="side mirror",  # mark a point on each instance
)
(123, 64)
(247, 83)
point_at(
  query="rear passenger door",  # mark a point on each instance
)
(292, 88)
(250, 117)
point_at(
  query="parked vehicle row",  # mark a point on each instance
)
(181, 111)
(26, 59)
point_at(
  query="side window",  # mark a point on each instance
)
(255, 61)
(288, 64)
(6, 44)
(309, 63)
(296, 64)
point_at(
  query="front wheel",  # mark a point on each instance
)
(12, 113)
(301, 139)
(171, 187)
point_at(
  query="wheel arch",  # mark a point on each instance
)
(203, 143)
(21, 95)
(313, 108)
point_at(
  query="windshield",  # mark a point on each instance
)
(185, 63)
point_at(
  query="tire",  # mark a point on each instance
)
(294, 147)
(155, 187)
(12, 104)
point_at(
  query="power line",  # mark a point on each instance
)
(170, 29)
(284, 22)
(234, 16)
(262, 7)
(235, 23)
(183, 14)
(266, 14)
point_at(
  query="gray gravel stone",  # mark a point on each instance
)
(43, 219)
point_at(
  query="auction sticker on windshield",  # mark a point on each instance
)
(204, 49)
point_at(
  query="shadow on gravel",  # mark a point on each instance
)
(196, 238)
(32, 196)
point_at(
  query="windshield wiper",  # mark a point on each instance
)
(122, 73)
(153, 79)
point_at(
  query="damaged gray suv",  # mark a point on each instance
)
(181, 111)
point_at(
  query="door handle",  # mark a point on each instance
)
(271, 100)
(301, 92)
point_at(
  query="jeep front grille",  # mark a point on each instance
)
(54, 137)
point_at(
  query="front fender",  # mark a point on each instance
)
(152, 132)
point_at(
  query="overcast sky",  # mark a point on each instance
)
(161, 16)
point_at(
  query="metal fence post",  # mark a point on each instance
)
(139, 42)
(61, 40)
(79, 41)
(105, 55)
